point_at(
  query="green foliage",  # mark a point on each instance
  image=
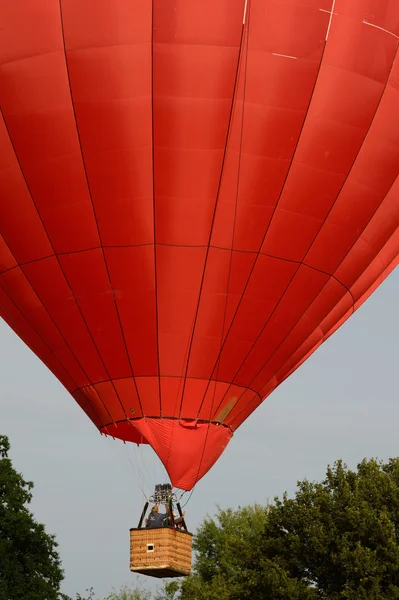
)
(169, 591)
(30, 567)
(137, 593)
(125, 593)
(91, 596)
(228, 557)
(341, 535)
(335, 540)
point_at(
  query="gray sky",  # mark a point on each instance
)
(342, 403)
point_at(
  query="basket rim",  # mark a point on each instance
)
(163, 528)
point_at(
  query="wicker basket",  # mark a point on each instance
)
(160, 551)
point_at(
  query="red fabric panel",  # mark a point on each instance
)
(90, 397)
(7, 260)
(16, 200)
(127, 394)
(132, 276)
(179, 274)
(95, 298)
(224, 282)
(49, 283)
(111, 53)
(84, 402)
(194, 68)
(256, 306)
(148, 390)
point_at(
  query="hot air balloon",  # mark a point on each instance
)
(194, 197)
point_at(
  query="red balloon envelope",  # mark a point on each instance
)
(194, 196)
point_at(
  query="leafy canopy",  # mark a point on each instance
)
(335, 540)
(341, 535)
(30, 567)
(227, 561)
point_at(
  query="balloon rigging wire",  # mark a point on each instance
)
(188, 499)
(139, 459)
(142, 471)
(135, 469)
(127, 465)
(135, 462)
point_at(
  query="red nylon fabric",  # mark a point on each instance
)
(194, 196)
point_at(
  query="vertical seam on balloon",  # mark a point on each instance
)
(49, 348)
(245, 33)
(302, 263)
(214, 212)
(154, 204)
(258, 253)
(55, 256)
(244, 75)
(99, 235)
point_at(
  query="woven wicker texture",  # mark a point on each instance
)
(160, 552)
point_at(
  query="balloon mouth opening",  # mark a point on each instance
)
(125, 431)
(128, 432)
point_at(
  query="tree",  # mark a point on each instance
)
(341, 536)
(168, 591)
(335, 540)
(126, 593)
(91, 596)
(228, 557)
(30, 567)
